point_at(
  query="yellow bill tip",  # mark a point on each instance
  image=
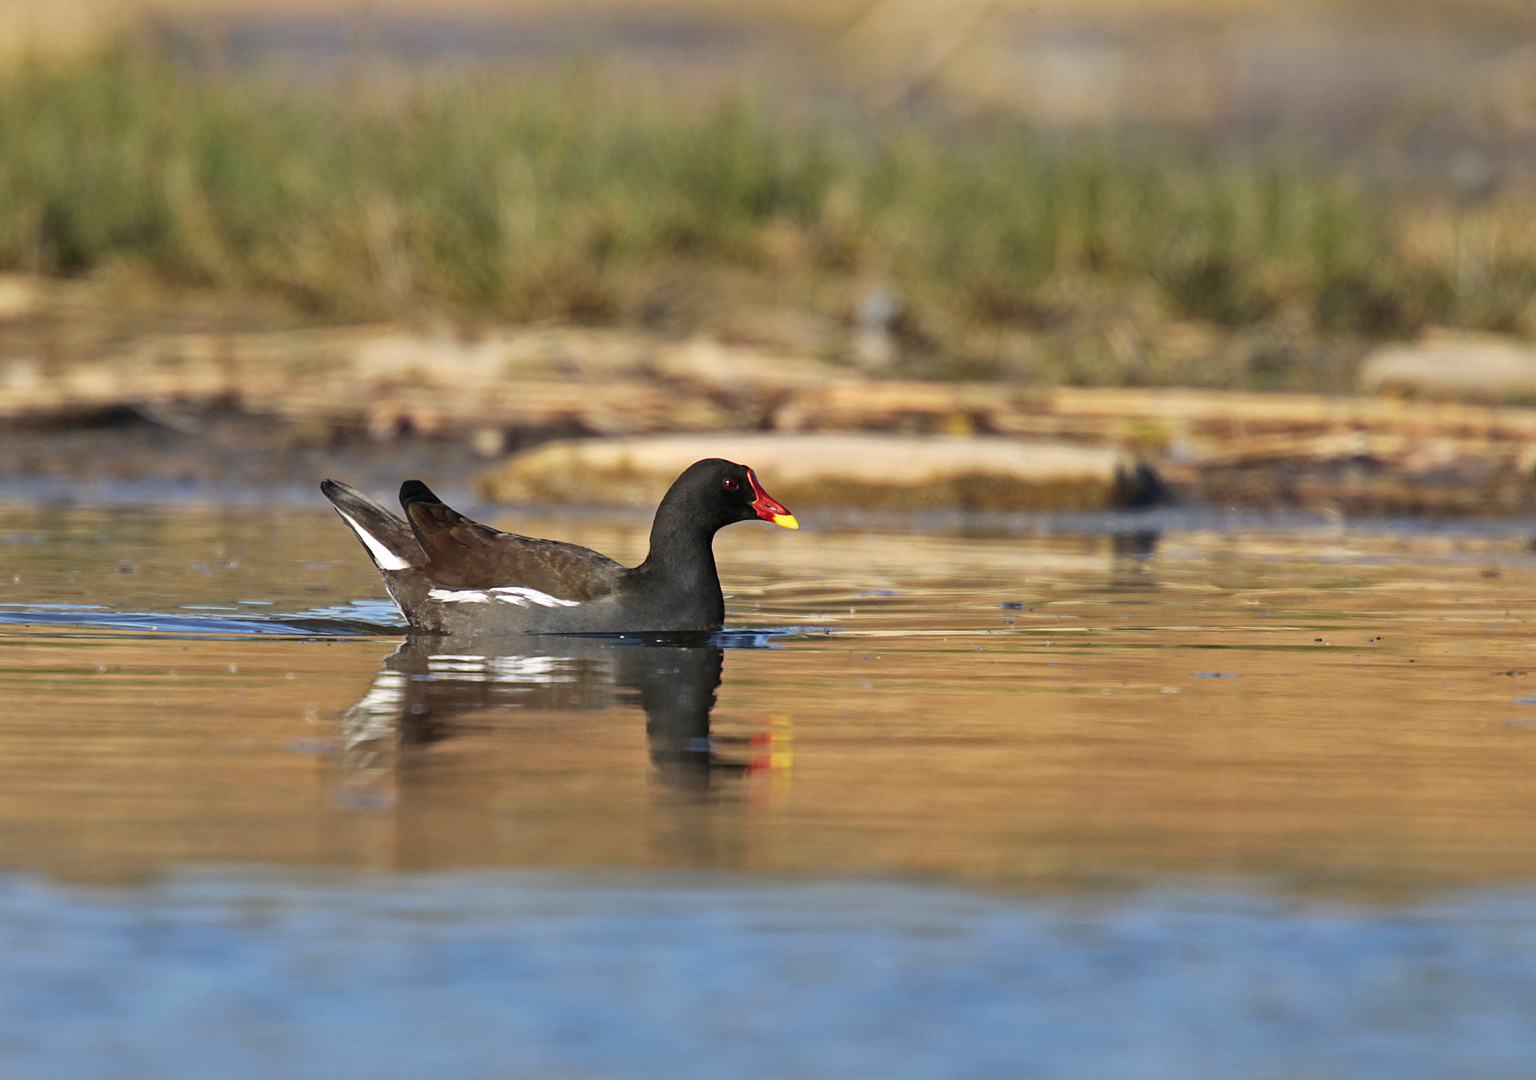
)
(786, 520)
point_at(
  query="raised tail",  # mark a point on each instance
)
(390, 542)
(445, 535)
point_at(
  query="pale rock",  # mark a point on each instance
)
(1453, 367)
(853, 471)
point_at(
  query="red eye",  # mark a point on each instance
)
(730, 483)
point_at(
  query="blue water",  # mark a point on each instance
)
(357, 618)
(510, 975)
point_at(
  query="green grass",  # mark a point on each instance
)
(490, 197)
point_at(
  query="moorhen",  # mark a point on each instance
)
(451, 575)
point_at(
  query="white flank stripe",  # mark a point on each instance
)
(507, 594)
(517, 594)
(383, 558)
(462, 596)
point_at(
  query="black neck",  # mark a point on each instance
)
(680, 552)
(680, 568)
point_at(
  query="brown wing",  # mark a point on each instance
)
(463, 554)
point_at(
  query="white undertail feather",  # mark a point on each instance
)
(383, 558)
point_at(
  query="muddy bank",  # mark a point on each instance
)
(228, 411)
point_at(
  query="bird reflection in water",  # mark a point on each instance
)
(428, 688)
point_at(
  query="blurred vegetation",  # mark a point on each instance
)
(486, 196)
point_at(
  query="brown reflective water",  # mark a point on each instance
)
(1316, 708)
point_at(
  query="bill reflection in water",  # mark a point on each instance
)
(430, 687)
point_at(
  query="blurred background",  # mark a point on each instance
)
(1211, 194)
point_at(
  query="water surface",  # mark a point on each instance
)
(1188, 771)
(1323, 709)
